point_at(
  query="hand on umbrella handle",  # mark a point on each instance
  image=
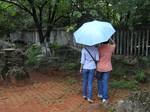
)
(112, 41)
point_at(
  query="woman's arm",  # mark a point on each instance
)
(113, 45)
(81, 66)
(82, 60)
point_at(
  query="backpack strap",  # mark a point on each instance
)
(91, 55)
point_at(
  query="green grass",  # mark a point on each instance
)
(123, 84)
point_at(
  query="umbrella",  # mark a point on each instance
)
(95, 32)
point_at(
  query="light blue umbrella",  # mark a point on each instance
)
(94, 32)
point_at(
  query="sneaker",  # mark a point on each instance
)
(99, 96)
(104, 101)
(90, 101)
(85, 97)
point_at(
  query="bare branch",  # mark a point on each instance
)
(60, 17)
(42, 6)
(41, 12)
(34, 13)
(51, 16)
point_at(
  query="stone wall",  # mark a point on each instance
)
(31, 36)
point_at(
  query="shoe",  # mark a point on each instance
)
(85, 97)
(99, 96)
(90, 101)
(104, 101)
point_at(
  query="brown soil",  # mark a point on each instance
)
(54, 91)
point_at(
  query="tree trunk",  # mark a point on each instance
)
(41, 36)
(47, 40)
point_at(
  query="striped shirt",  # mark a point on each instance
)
(86, 59)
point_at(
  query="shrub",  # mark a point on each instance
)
(144, 62)
(54, 45)
(31, 54)
(140, 75)
(71, 66)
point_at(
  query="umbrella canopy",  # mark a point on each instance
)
(94, 32)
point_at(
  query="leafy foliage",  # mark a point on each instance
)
(54, 45)
(32, 52)
(10, 18)
(132, 13)
(51, 13)
(140, 76)
(122, 13)
(45, 13)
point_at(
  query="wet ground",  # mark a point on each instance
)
(54, 91)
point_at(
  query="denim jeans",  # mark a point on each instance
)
(103, 85)
(87, 85)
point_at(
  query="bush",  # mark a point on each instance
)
(72, 66)
(32, 52)
(144, 62)
(121, 70)
(140, 76)
(54, 45)
(18, 73)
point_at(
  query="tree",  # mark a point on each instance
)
(132, 13)
(125, 14)
(45, 13)
(83, 11)
(8, 21)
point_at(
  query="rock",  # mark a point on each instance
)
(137, 102)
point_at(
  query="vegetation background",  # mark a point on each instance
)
(70, 14)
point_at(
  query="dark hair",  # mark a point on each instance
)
(106, 42)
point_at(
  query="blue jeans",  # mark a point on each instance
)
(88, 76)
(103, 85)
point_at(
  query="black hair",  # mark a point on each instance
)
(106, 42)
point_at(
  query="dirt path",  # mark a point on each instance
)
(53, 92)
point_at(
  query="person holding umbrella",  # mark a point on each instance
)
(90, 34)
(104, 67)
(87, 68)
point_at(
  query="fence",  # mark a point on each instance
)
(128, 42)
(133, 42)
